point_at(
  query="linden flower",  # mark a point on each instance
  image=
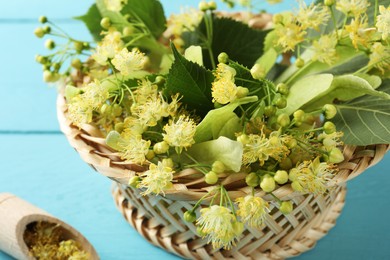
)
(312, 16)
(150, 112)
(380, 57)
(134, 148)
(157, 179)
(223, 91)
(108, 47)
(131, 126)
(220, 226)
(289, 35)
(252, 210)
(95, 94)
(145, 92)
(255, 149)
(312, 177)
(129, 62)
(180, 133)
(352, 7)
(325, 49)
(224, 71)
(187, 21)
(275, 146)
(331, 141)
(359, 33)
(383, 21)
(114, 5)
(79, 111)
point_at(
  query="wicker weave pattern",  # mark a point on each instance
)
(160, 221)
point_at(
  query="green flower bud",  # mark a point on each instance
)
(105, 109)
(128, 30)
(252, 179)
(119, 127)
(281, 102)
(76, 63)
(40, 59)
(49, 76)
(329, 143)
(244, 139)
(238, 227)
(42, 19)
(269, 111)
(283, 120)
(168, 162)
(267, 184)
(329, 2)
(105, 23)
(223, 57)
(203, 6)
(242, 92)
(329, 111)
(56, 66)
(286, 164)
(160, 80)
(78, 46)
(281, 177)
(211, 178)
(299, 115)
(161, 147)
(117, 110)
(292, 176)
(189, 216)
(277, 18)
(291, 143)
(212, 5)
(86, 45)
(218, 167)
(282, 89)
(50, 44)
(329, 128)
(150, 155)
(286, 207)
(257, 71)
(296, 186)
(134, 181)
(299, 63)
(335, 155)
(47, 29)
(39, 32)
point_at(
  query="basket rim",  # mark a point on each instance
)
(90, 144)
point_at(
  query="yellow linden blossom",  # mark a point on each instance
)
(383, 21)
(180, 133)
(256, 149)
(252, 210)
(223, 91)
(186, 21)
(331, 141)
(312, 177)
(150, 112)
(289, 35)
(134, 148)
(157, 179)
(146, 91)
(79, 111)
(95, 94)
(312, 16)
(114, 5)
(359, 32)
(131, 126)
(380, 57)
(276, 147)
(108, 47)
(220, 226)
(224, 71)
(129, 62)
(325, 49)
(352, 7)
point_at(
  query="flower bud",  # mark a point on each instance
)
(50, 44)
(252, 179)
(282, 89)
(42, 19)
(105, 23)
(296, 186)
(127, 31)
(218, 167)
(283, 120)
(299, 115)
(117, 110)
(281, 177)
(203, 6)
(292, 176)
(257, 71)
(329, 2)
(39, 32)
(268, 183)
(299, 63)
(119, 127)
(189, 216)
(269, 111)
(134, 181)
(286, 207)
(49, 76)
(223, 57)
(286, 164)
(212, 5)
(47, 29)
(161, 147)
(211, 178)
(76, 63)
(281, 102)
(150, 155)
(277, 18)
(238, 228)
(78, 46)
(167, 162)
(335, 155)
(243, 139)
(329, 111)
(242, 92)
(329, 128)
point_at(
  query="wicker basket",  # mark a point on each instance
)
(159, 219)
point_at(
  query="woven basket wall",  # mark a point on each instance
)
(159, 218)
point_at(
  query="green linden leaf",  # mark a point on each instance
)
(242, 43)
(113, 139)
(214, 124)
(268, 60)
(192, 81)
(365, 120)
(223, 149)
(92, 20)
(194, 54)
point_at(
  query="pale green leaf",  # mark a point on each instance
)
(214, 122)
(113, 139)
(268, 59)
(222, 149)
(365, 120)
(194, 54)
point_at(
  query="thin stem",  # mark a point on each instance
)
(209, 31)
(375, 11)
(298, 73)
(334, 22)
(276, 198)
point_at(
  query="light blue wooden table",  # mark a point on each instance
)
(37, 164)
